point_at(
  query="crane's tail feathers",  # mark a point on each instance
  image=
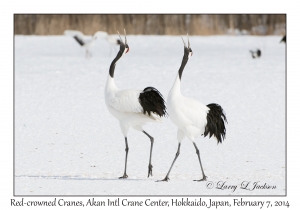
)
(152, 101)
(156, 117)
(80, 41)
(215, 122)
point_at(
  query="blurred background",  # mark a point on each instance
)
(152, 24)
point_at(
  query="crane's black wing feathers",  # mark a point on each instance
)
(215, 122)
(152, 101)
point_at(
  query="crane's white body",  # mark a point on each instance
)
(109, 38)
(186, 113)
(189, 115)
(124, 105)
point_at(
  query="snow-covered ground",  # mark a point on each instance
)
(67, 143)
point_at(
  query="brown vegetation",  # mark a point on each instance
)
(155, 24)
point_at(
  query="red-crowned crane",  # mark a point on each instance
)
(256, 53)
(133, 108)
(87, 44)
(192, 118)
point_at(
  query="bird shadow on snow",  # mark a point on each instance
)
(73, 178)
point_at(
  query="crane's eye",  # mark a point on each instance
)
(126, 48)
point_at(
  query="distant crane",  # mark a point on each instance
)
(112, 40)
(283, 39)
(133, 108)
(191, 117)
(79, 37)
(87, 44)
(256, 53)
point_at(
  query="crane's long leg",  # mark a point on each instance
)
(86, 53)
(177, 154)
(198, 153)
(126, 149)
(150, 166)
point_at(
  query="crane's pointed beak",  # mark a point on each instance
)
(126, 44)
(183, 42)
(120, 37)
(125, 36)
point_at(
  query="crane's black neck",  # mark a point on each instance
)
(184, 62)
(114, 62)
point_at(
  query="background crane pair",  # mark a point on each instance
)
(135, 108)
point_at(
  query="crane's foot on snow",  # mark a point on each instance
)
(123, 177)
(164, 180)
(203, 179)
(150, 170)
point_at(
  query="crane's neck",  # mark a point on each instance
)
(176, 86)
(110, 83)
(183, 63)
(114, 62)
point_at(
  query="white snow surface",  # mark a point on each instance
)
(67, 143)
